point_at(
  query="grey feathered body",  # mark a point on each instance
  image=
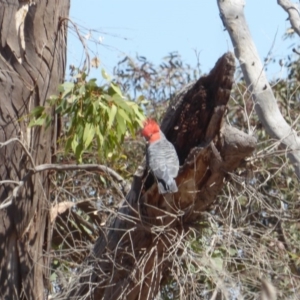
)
(164, 164)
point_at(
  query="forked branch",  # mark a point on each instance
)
(55, 167)
(232, 15)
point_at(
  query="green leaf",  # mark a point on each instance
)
(140, 116)
(111, 116)
(74, 143)
(48, 121)
(105, 75)
(88, 134)
(71, 99)
(121, 126)
(79, 152)
(92, 83)
(68, 144)
(92, 111)
(52, 100)
(103, 105)
(123, 103)
(116, 89)
(37, 122)
(100, 137)
(66, 88)
(123, 114)
(81, 90)
(37, 111)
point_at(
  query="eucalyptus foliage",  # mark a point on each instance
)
(92, 112)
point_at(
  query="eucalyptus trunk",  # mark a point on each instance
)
(32, 65)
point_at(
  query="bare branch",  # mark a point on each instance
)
(85, 167)
(2, 182)
(87, 56)
(266, 107)
(56, 167)
(8, 201)
(294, 15)
(23, 146)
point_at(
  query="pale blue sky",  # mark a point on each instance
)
(153, 28)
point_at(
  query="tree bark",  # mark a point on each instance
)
(294, 14)
(134, 253)
(232, 15)
(32, 64)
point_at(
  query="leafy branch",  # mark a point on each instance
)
(47, 167)
(91, 112)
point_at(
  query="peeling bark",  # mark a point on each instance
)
(32, 64)
(134, 254)
(232, 15)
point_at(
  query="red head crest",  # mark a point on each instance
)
(150, 128)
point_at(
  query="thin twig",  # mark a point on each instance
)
(23, 146)
(87, 65)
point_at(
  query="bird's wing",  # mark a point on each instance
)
(161, 172)
(172, 161)
(163, 160)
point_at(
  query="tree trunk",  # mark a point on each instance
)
(293, 12)
(32, 64)
(232, 15)
(137, 250)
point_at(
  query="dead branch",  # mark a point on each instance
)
(134, 253)
(85, 167)
(8, 201)
(87, 61)
(9, 182)
(56, 167)
(232, 15)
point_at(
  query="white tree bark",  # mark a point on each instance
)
(294, 14)
(232, 15)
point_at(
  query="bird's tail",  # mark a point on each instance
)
(170, 187)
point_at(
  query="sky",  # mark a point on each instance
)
(154, 28)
